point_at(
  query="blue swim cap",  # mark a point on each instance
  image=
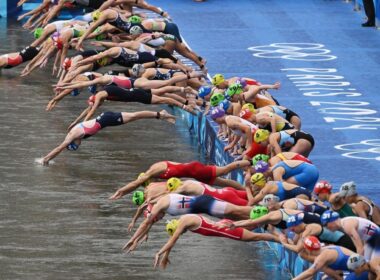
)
(204, 91)
(294, 220)
(329, 216)
(75, 92)
(225, 104)
(92, 89)
(72, 146)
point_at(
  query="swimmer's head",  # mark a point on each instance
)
(322, 186)
(137, 70)
(217, 79)
(173, 183)
(135, 19)
(248, 106)
(138, 198)
(171, 226)
(328, 217)
(261, 166)
(66, 63)
(225, 104)
(91, 100)
(258, 211)
(242, 82)
(135, 30)
(355, 261)
(75, 92)
(348, 188)
(246, 114)
(204, 91)
(259, 157)
(38, 32)
(261, 135)
(96, 15)
(311, 243)
(74, 145)
(216, 99)
(147, 182)
(258, 179)
(216, 113)
(270, 199)
(234, 89)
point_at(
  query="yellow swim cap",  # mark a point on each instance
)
(96, 15)
(261, 135)
(173, 183)
(171, 226)
(217, 79)
(147, 182)
(258, 179)
(248, 106)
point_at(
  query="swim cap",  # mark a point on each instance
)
(67, 63)
(248, 106)
(137, 69)
(173, 183)
(96, 15)
(58, 43)
(294, 220)
(322, 187)
(225, 104)
(92, 89)
(134, 19)
(242, 82)
(100, 37)
(261, 135)
(234, 89)
(260, 157)
(75, 92)
(258, 179)
(72, 146)
(355, 261)
(261, 166)
(204, 91)
(217, 79)
(216, 99)
(38, 32)
(147, 182)
(171, 226)
(257, 212)
(349, 188)
(269, 198)
(329, 216)
(311, 243)
(135, 30)
(217, 112)
(91, 100)
(138, 198)
(246, 114)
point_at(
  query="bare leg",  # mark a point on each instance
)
(303, 147)
(228, 183)
(296, 121)
(223, 170)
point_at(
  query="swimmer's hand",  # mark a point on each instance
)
(97, 44)
(225, 224)
(51, 105)
(118, 194)
(130, 226)
(130, 246)
(161, 262)
(41, 161)
(276, 85)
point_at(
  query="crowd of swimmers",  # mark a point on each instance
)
(282, 198)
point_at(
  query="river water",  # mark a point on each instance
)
(57, 223)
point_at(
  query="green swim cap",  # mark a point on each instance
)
(234, 89)
(138, 198)
(216, 99)
(260, 157)
(38, 32)
(258, 211)
(135, 19)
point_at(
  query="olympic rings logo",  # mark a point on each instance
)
(293, 51)
(366, 149)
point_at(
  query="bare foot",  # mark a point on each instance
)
(167, 117)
